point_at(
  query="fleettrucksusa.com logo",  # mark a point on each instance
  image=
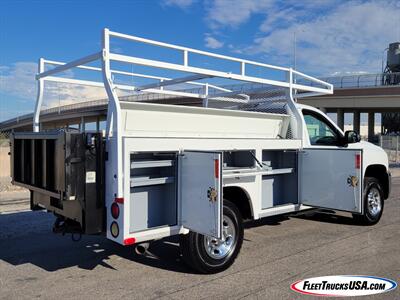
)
(343, 285)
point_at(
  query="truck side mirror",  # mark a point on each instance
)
(350, 137)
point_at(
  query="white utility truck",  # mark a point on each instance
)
(237, 152)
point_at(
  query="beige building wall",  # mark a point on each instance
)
(4, 161)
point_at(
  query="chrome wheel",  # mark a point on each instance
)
(218, 249)
(374, 202)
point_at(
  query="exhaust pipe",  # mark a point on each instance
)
(141, 249)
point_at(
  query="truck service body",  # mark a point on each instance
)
(161, 170)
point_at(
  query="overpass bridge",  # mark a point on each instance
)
(356, 94)
(82, 113)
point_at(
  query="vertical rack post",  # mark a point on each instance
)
(113, 134)
(185, 58)
(39, 99)
(297, 128)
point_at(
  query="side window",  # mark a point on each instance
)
(319, 130)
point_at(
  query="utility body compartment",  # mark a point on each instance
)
(281, 186)
(153, 190)
(171, 188)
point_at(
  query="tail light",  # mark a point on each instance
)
(115, 210)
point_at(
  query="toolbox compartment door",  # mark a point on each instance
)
(200, 192)
(331, 178)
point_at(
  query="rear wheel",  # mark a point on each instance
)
(373, 203)
(209, 255)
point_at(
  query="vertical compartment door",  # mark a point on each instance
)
(200, 192)
(331, 178)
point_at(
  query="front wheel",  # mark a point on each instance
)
(373, 203)
(209, 255)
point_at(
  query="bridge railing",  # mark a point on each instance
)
(363, 80)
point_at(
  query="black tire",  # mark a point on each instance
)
(368, 217)
(194, 249)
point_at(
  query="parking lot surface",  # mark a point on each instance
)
(35, 263)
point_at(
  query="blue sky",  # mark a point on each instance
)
(333, 37)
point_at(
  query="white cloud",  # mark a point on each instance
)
(332, 36)
(351, 37)
(58, 94)
(212, 42)
(232, 13)
(180, 3)
(19, 80)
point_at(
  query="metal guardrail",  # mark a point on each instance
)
(364, 80)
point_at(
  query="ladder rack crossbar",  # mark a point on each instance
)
(48, 77)
(191, 50)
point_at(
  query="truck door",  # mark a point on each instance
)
(331, 178)
(330, 175)
(200, 192)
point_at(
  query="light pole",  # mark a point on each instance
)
(383, 58)
(295, 54)
(294, 50)
(295, 47)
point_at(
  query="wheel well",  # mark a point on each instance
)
(380, 173)
(240, 198)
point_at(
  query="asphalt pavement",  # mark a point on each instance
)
(35, 263)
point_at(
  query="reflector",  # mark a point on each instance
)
(119, 200)
(129, 241)
(114, 229)
(216, 168)
(358, 161)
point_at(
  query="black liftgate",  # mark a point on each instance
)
(65, 173)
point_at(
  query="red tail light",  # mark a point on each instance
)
(115, 210)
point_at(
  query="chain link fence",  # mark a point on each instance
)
(391, 144)
(4, 138)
